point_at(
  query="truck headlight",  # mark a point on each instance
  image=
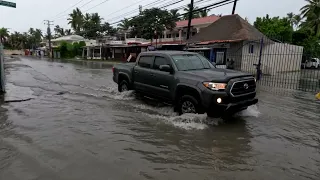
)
(215, 86)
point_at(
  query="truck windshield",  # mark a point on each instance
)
(186, 62)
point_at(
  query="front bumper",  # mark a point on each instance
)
(228, 105)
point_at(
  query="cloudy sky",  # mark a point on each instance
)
(31, 13)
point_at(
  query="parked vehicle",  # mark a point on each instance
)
(189, 81)
(313, 63)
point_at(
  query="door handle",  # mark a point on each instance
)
(152, 75)
(137, 72)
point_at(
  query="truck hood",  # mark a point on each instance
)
(215, 74)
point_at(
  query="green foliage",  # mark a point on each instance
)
(150, 22)
(311, 12)
(82, 44)
(302, 30)
(276, 28)
(68, 50)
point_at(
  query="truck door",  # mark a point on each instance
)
(162, 81)
(141, 73)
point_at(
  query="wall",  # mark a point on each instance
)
(280, 57)
(275, 58)
(10, 52)
(250, 58)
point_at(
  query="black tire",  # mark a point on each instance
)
(123, 86)
(189, 104)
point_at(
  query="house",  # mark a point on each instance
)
(179, 34)
(111, 48)
(232, 39)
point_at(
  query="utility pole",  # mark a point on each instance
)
(234, 6)
(48, 23)
(190, 18)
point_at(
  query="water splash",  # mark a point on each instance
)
(252, 111)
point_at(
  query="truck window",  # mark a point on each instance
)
(185, 62)
(159, 61)
(146, 61)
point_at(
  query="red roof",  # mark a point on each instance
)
(168, 42)
(198, 21)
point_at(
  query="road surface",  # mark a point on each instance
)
(74, 125)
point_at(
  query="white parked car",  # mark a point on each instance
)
(313, 63)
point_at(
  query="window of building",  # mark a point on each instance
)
(145, 61)
(177, 35)
(251, 49)
(168, 35)
(159, 61)
(193, 33)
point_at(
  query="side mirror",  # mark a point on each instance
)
(165, 68)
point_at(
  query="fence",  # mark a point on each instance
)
(275, 64)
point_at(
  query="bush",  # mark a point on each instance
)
(69, 50)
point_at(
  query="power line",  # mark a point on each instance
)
(209, 7)
(97, 5)
(68, 8)
(125, 7)
(63, 16)
(86, 3)
(133, 11)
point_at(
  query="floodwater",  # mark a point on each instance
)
(76, 126)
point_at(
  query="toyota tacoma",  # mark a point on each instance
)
(188, 81)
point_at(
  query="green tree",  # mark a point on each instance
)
(203, 13)
(4, 34)
(76, 20)
(58, 31)
(311, 12)
(175, 14)
(91, 25)
(67, 32)
(187, 10)
(150, 22)
(124, 24)
(276, 27)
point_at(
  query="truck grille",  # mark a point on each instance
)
(241, 88)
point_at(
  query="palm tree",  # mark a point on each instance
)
(291, 19)
(58, 31)
(187, 10)
(67, 32)
(297, 20)
(203, 13)
(311, 12)
(175, 14)
(4, 34)
(124, 25)
(76, 20)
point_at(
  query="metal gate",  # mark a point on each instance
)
(276, 64)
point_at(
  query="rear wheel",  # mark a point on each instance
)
(123, 86)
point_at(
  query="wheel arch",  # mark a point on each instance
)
(183, 89)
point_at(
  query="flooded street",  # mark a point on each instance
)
(75, 125)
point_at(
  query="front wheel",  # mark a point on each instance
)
(189, 104)
(123, 86)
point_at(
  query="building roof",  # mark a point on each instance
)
(198, 21)
(230, 28)
(69, 38)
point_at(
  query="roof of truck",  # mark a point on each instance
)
(167, 52)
